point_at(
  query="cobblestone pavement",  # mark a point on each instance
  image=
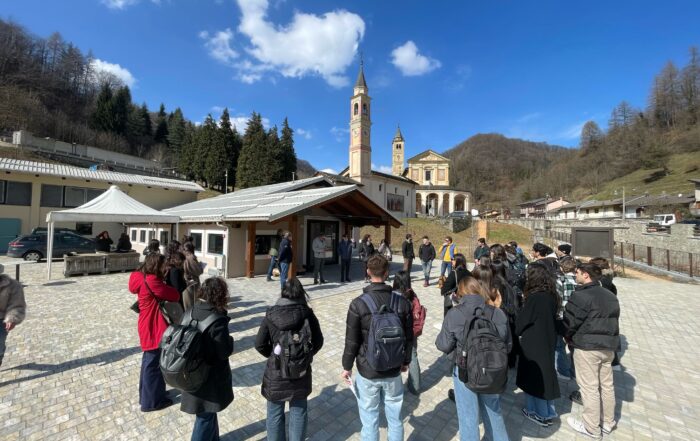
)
(71, 370)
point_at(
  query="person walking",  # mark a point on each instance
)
(318, 245)
(366, 251)
(13, 307)
(376, 387)
(591, 319)
(402, 284)
(472, 406)
(449, 288)
(536, 327)
(385, 250)
(123, 244)
(408, 253)
(291, 315)
(285, 257)
(345, 247)
(446, 254)
(426, 254)
(103, 243)
(481, 250)
(149, 285)
(217, 346)
(273, 253)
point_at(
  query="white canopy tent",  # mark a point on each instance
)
(111, 206)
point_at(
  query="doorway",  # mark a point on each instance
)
(330, 229)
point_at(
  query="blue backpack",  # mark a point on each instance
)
(386, 340)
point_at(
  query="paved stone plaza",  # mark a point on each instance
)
(71, 370)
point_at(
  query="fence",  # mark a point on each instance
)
(656, 257)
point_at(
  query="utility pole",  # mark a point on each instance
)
(292, 176)
(226, 185)
(623, 203)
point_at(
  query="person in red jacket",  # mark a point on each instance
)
(148, 285)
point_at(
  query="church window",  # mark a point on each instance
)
(380, 187)
(396, 190)
(398, 146)
(356, 109)
(406, 192)
(364, 109)
(427, 175)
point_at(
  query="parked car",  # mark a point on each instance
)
(459, 214)
(34, 246)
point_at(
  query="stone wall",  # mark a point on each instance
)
(633, 231)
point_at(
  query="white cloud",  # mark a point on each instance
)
(410, 62)
(323, 45)
(382, 168)
(340, 133)
(240, 122)
(100, 66)
(217, 109)
(123, 4)
(329, 170)
(303, 133)
(529, 117)
(573, 131)
(219, 45)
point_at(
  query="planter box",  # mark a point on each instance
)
(122, 262)
(84, 264)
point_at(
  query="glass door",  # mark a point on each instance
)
(330, 229)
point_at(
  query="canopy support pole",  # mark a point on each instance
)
(49, 249)
(177, 231)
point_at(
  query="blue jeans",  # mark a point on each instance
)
(273, 262)
(3, 338)
(369, 396)
(298, 419)
(542, 408)
(561, 359)
(427, 266)
(413, 382)
(206, 427)
(445, 267)
(470, 405)
(284, 269)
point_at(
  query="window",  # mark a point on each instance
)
(215, 243)
(398, 146)
(142, 236)
(396, 190)
(407, 192)
(364, 109)
(427, 175)
(134, 232)
(164, 237)
(356, 109)
(51, 195)
(595, 211)
(18, 193)
(2, 192)
(151, 235)
(263, 244)
(84, 228)
(197, 239)
(380, 187)
(77, 196)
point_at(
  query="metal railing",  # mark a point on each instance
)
(660, 258)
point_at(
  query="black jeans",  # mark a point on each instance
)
(344, 269)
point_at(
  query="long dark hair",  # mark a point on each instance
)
(460, 261)
(498, 252)
(215, 292)
(294, 290)
(539, 279)
(402, 284)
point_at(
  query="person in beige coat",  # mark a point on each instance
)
(12, 307)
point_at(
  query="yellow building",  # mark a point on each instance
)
(432, 172)
(29, 190)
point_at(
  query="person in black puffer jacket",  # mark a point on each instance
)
(288, 314)
(216, 393)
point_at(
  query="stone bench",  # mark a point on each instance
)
(99, 263)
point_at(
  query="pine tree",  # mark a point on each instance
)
(232, 142)
(103, 116)
(289, 156)
(120, 108)
(213, 141)
(161, 134)
(275, 164)
(176, 132)
(186, 163)
(146, 117)
(252, 169)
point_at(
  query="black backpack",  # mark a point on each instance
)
(181, 359)
(386, 341)
(483, 361)
(296, 352)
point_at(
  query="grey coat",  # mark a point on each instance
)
(12, 305)
(452, 332)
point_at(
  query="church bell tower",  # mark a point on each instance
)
(397, 153)
(360, 126)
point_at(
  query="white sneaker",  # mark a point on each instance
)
(608, 429)
(578, 426)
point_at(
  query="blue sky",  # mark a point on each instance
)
(443, 70)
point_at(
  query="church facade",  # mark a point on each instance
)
(403, 193)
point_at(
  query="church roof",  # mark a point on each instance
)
(361, 78)
(435, 156)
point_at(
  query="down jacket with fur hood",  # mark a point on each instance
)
(13, 308)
